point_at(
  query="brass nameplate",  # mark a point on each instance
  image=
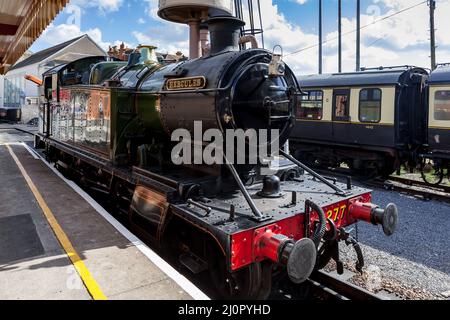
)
(191, 83)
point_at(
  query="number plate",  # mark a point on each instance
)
(337, 212)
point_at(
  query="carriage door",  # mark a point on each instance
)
(341, 115)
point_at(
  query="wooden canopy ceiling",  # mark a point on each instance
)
(21, 23)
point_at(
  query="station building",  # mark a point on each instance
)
(20, 93)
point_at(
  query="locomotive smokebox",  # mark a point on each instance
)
(224, 33)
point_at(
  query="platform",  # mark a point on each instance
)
(57, 243)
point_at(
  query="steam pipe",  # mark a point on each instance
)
(194, 39)
(244, 191)
(338, 190)
(204, 41)
(33, 79)
(249, 39)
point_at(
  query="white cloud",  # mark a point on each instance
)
(104, 6)
(399, 40)
(175, 40)
(54, 35)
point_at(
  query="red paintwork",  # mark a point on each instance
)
(244, 245)
(64, 95)
(256, 245)
(266, 245)
(361, 211)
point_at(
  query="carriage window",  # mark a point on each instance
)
(341, 106)
(311, 106)
(442, 105)
(370, 105)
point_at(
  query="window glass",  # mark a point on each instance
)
(341, 106)
(311, 106)
(442, 105)
(370, 105)
(363, 95)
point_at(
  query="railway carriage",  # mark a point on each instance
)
(371, 120)
(438, 135)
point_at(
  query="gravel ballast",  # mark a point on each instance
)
(415, 261)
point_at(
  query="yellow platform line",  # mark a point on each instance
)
(89, 282)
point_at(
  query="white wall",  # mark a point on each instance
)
(30, 89)
(80, 49)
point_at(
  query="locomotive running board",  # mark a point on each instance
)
(258, 216)
(338, 190)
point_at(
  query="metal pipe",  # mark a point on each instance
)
(432, 5)
(244, 191)
(194, 39)
(261, 23)
(320, 36)
(249, 39)
(338, 190)
(204, 39)
(250, 14)
(340, 36)
(358, 35)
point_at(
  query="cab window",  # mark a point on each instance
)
(311, 106)
(442, 105)
(370, 105)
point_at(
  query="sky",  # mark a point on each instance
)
(395, 32)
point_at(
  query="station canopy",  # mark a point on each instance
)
(21, 23)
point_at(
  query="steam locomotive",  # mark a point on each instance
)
(108, 125)
(376, 120)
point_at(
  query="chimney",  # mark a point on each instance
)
(224, 33)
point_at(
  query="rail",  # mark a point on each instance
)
(331, 286)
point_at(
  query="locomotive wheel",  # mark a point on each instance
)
(251, 283)
(432, 174)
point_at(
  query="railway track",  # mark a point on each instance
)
(329, 287)
(323, 286)
(421, 184)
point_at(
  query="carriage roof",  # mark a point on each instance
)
(362, 78)
(440, 75)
